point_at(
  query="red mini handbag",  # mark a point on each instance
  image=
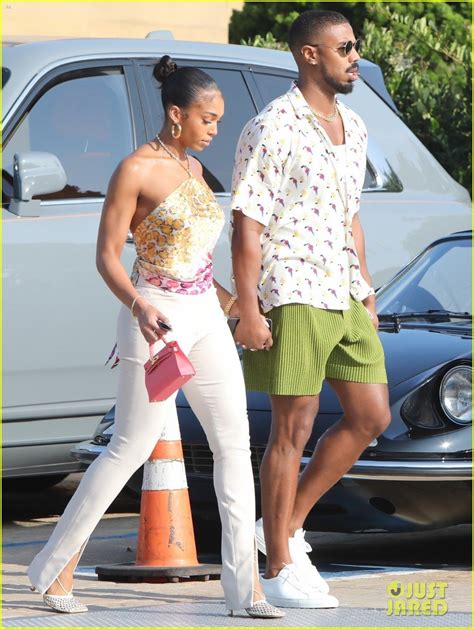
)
(166, 371)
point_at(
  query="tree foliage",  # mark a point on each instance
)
(423, 49)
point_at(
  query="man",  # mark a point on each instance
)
(299, 256)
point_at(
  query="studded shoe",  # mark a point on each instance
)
(64, 603)
(262, 609)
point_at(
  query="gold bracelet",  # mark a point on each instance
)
(133, 304)
(229, 305)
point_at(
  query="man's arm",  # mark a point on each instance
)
(255, 182)
(252, 331)
(358, 234)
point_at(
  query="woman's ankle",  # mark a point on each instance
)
(59, 587)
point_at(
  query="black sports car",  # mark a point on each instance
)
(417, 474)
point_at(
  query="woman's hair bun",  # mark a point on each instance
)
(164, 68)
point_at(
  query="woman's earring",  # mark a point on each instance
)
(176, 130)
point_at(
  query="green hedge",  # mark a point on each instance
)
(424, 50)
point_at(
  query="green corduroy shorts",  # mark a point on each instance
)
(311, 344)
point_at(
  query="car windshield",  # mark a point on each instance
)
(440, 279)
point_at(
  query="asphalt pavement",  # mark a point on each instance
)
(406, 580)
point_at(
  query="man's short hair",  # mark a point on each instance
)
(309, 25)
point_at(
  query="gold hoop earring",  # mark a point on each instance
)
(176, 130)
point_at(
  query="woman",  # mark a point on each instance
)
(159, 194)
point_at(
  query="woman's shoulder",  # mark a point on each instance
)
(140, 161)
(195, 166)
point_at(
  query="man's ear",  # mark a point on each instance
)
(309, 55)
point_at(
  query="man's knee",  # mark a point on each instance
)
(375, 421)
(292, 423)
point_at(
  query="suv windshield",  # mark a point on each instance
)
(440, 279)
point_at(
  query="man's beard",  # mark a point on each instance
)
(337, 86)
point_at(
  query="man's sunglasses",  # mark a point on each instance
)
(343, 50)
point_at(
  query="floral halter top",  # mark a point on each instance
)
(174, 243)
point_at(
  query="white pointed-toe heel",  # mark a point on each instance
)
(262, 609)
(64, 603)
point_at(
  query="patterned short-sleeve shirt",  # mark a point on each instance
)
(287, 177)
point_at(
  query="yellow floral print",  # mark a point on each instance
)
(174, 242)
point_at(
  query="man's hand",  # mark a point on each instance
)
(253, 333)
(370, 307)
(359, 242)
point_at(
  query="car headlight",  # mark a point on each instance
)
(455, 394)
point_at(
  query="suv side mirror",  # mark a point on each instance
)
(34, 173)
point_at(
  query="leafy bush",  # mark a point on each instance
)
(423, 50)
(258, 18)
(427, 69)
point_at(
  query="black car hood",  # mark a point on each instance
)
(416, 349)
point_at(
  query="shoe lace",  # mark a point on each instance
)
(300, 537)
(302, 547)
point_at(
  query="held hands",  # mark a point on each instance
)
(253, 333)
(148, 319)
(235, 310)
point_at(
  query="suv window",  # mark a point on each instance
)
(5, 76)
(370, 180)
(218, 158)
(85, 120)
(271, 86)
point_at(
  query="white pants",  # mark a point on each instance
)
(217, 396)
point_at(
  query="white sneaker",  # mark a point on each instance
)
(299, 549)
(288, 590)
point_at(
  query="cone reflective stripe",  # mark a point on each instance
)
(166, 549)
(164, 470)
(164, 474)
(166, 534)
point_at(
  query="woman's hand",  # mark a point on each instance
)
(235, 310)
(148, 317)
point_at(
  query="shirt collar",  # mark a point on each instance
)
(298, 102)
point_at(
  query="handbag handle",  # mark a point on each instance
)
(152, 345)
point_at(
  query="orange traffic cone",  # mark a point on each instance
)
(166, 549)
(166, 534)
